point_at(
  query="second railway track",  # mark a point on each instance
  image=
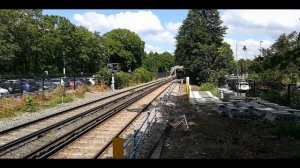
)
(17, 148)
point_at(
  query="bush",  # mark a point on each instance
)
(58, 100)
(80, 91)
(122, 79)
(273, 96)
(288, 130)
(210, 87)
(141, 75)
(104, 75)
(295, 99)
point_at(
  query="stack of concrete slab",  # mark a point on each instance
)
(244, 108)
(222, 108)
(279, 116)
(203, 98)
(260, 112)
(225, 94)
(240, 113)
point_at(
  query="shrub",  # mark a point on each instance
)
(141, 75)
(122, 79)
(80, 91)
(288, 130)
(104, 75)
(295, 99)
(210, 87)
(273, 96)
(58, 100)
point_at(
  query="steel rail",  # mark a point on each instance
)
(52, 147)
(71, 109)
(103, 149)
(71, 119)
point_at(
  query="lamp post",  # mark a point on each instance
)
(237, 73)
(260, 47)
(245, 49)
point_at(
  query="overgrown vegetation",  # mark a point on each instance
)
(273, 96)
(288, 130)
(210, 87)
(10, 107)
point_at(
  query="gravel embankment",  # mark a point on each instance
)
(157, 128)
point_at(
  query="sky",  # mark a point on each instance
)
(158, 28)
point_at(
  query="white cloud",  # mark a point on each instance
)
(161, 37)
(252, 46)
(149, 48)
(139, 22)
(145, 23)
(173, 27)
(266, 22)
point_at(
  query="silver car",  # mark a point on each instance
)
(3, 92)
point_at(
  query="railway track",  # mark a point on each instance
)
(92, 145)
(48, 131)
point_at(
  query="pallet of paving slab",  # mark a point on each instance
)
(240, 113)
(229, 109)
(260, 112)
(279, 117)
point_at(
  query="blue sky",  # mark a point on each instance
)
(159, 27)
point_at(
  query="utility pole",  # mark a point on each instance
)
(260, 48)
(245, 49)
(64, 61)
(237, 73)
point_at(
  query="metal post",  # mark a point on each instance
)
(113, 82)
(134, 135)
(237, 65)
(289, 94)
(21, 85)
(64, 61)
(43, 81)
(74, 72)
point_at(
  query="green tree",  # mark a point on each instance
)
(124, 47)
(155, 62)
(198, 40)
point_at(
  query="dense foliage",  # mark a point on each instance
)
(200, 48)
(155, 62)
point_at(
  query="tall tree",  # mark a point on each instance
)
(124, 47)
(198, 40)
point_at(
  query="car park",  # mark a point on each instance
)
(28, 85)
(48, 85)
(3, 92)
(13, 86)
(91, 80)
(78, 82)
(55, 81)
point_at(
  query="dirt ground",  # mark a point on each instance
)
(211, 136)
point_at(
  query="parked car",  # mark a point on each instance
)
(92, 80)
(48, 85)
(78, 82)
(242, 86)
(55, 81)
(29, 85)
(13, 86)
(65, 81)
(61, 81)
(3, 92)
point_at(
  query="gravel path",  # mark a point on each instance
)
(7, 123)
